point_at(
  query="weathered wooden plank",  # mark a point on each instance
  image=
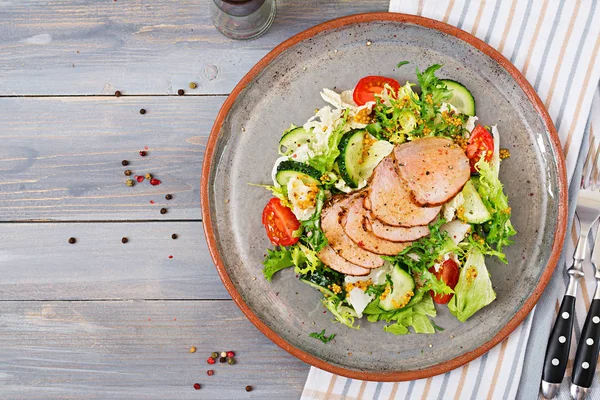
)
(60, 158)
(138, 349)
(138, 47)
(38, 263)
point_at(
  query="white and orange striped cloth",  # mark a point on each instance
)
(556, 44)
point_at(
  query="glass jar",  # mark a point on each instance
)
(242, 19)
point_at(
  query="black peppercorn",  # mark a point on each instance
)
(118, 93)
(180, 92)
(72, 240)
(163, 210)
(124, 163)
(168, 197)
(248, 388)
(174, 236)
(223, 359)
(124, 240)
(142, 111)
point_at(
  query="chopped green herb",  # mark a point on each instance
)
(321, 336)
(401, 63)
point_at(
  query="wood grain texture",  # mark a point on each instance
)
(138, 349)
(60, 158)
(38, 263)
(138, 46)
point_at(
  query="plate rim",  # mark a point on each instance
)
(527, 306)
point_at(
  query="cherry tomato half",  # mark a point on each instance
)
(280, 223)
(369, 86)
(480, 143)
(448, 273)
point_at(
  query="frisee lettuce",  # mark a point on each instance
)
(299, 256)
(313, 234)
(343, 314)
(324, 161)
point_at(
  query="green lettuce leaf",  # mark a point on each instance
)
(324, 161)
(313, 235)
(474, 288)
(343, 314)
(276, 260)
(489, 188)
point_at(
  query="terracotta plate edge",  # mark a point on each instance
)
(562, 193)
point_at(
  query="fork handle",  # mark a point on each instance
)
(557, 351)
(587, 350)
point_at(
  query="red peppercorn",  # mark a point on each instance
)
(211, 360)
(155, 182)
(230, 354)
(140, 178)
(197, 386)
(210, 372)
(143, 153)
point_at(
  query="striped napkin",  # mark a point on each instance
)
(555, 44)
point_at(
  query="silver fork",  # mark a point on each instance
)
(557, 350)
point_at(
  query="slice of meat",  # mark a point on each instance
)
(391, 202)
(331, 224)
(331, 259)
(396, 233)
(357, 227)
(434, 169)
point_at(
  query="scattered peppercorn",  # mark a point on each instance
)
(149, 176)
(230, 354)
(214, 354)
(223, 354)
(222, 359)
(140, 179)
(180, 92)
(210, 360)
(127, 172)
(193, 85)
(210, 372)
(143, 153)
(230, 361)
(168, 197)
(124, 240)
(124, 163)
(174, 236)
(155, 182)
(129, 182)
(192, 349)
(163, 210)
(118, 93)
(142, 111)
(248, 388)
(72, 240)
(197, 386)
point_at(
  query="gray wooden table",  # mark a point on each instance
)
(99, 318)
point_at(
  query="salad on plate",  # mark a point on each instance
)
(387, 201)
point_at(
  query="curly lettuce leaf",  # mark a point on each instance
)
(474, 288)
(313, 234)
(324, 161)
(276, 260)
(489, 188)
(343, 314)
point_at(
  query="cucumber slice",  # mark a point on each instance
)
(288, 169)
(475, 212)
(402, 292)
(351, 148)
(461, 98)
(293, 139)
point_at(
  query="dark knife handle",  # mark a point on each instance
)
(587, 351)
(557, 351)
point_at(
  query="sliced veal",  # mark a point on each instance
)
(357, 227)
(396, 233)
(390, 201)
(335, 262)
(434, 169)
(331, 219)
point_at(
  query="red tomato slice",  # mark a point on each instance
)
(480, 143)
(448, 273)
(369, 86)
(280, 223)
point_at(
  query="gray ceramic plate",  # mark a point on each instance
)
(283, 88)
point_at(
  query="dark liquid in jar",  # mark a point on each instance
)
(239, 8)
